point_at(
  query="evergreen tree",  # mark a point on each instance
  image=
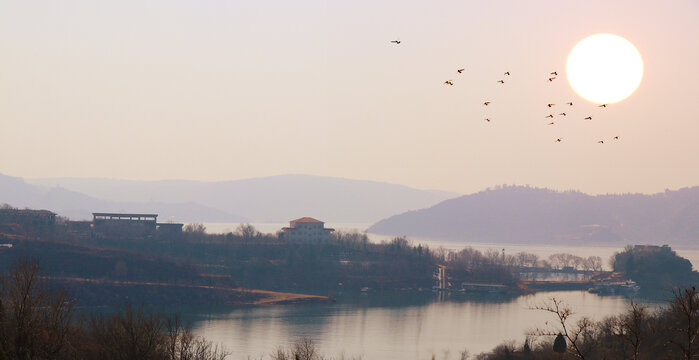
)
(559, 345)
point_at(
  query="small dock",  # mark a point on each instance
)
(557, 285)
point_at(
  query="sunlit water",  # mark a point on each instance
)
(398, 326)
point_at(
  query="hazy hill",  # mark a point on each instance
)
(77, 206)
(269, 199)
(516, 214)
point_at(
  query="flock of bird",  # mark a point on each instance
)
(551, 77)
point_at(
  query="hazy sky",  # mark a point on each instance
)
(220, 90)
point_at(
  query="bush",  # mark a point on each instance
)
(38, 323)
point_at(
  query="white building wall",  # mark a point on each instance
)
(308, 233)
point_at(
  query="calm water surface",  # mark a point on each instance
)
(402, 326)
(393, 326)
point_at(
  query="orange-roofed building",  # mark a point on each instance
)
(306, 230)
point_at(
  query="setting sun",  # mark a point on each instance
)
(604, 68)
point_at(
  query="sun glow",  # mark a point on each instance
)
(604, 68)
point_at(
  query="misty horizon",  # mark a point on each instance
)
(47, 181)
(174, 90)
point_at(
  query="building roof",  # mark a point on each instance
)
(293, 229)
(123, 214)
(306, 220)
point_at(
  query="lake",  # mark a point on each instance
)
(393, 326)
(403, 325)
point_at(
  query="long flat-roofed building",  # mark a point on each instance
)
(117, 225)
(306, 230)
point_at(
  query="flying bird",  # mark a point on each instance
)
(569, 103)
(507, 73)
(616, 138)
(551, 123)
(601, 142)
(554, 73)
(551, 78)
(562, 114)
(395, 41)
(501, 81)
(602, 105)
(487, 119)
(559, 140)
(588, 118)
(549, 116)
(549, 105)
(448, 82)
(486, 103)
(460, 70)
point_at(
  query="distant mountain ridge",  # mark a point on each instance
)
(77, 206)
(520, 214)
(268, 199)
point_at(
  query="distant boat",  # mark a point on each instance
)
(614, 287)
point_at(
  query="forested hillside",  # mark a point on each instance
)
(519, 214)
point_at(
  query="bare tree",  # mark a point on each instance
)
(493, 256)
(579, 335)
(505, 350)
(133, 334)
(527, 259)
(195, 228)
(34, 320)
(632, 327)
(557, 261)
(684, 310)
(303, 349)
(594, 263)
(578, 262)
(129, 334)
(247, 232)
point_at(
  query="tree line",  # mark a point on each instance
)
(527, 260)
(248, 258)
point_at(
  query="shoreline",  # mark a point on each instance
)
(259, 297)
